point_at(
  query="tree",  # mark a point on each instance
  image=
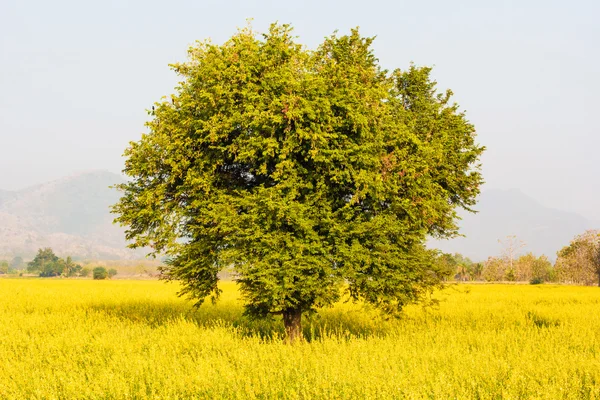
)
(534, 269)
(112, 273)
(477, 271)
(4, 267)
(85, 272)
(512, 245)
(541, 270)
(46, 263)
(579, 262)
(307, 171)
(464, 270)
(524, 267)
(71, 269)
(100, 273)
(459, 266)
(494, 269)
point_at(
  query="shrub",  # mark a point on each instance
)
(100, 273)
(85, 272)
(112, 272)
(536, 281)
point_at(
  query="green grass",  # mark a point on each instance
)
(85, 339)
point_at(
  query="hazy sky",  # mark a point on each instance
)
(77, 76)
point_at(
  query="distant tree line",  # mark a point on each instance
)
(48, 264)
(578, 263)
(13, 267)
(103, 273)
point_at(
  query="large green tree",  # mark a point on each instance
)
(307, 171)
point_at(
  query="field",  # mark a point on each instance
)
(122, 339)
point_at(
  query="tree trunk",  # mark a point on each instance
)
(292, 320)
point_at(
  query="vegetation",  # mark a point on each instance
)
(526, 268)
(48, 264)
(100, 273)
(579, 262)
(4, 267)
(305, 170)
(460, 267)
(136, 339)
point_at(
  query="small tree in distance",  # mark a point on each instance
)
(511, 247)
(100, 273)
(307, 171)
(85, 272)
(70, 268)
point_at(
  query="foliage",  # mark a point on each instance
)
(100, 273)
(459, 266)
(112, 273)
(75, 339)
(579, 262)
(4, 267)
(532, 268)
(49, 264)
(71, 269)
(46, 263)
(526, 268)
(477, 271)
(85, 272)
(510, 275)
(494, 269)
(303, 170)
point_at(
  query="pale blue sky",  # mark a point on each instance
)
(77, 76)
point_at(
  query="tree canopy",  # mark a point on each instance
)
(49, 264)
(46, 263)
(308, 171)
(579, 262)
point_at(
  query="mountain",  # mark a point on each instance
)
(510, 212)
(5, 196)
(71, 215)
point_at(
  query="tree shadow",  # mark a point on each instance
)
(328, 323)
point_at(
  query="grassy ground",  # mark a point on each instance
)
(135, 339)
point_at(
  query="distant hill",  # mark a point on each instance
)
(5, 196)
(71, 215)
(510, 212)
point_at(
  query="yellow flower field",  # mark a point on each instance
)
(84, 339)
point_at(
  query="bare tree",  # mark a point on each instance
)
(511, 246)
